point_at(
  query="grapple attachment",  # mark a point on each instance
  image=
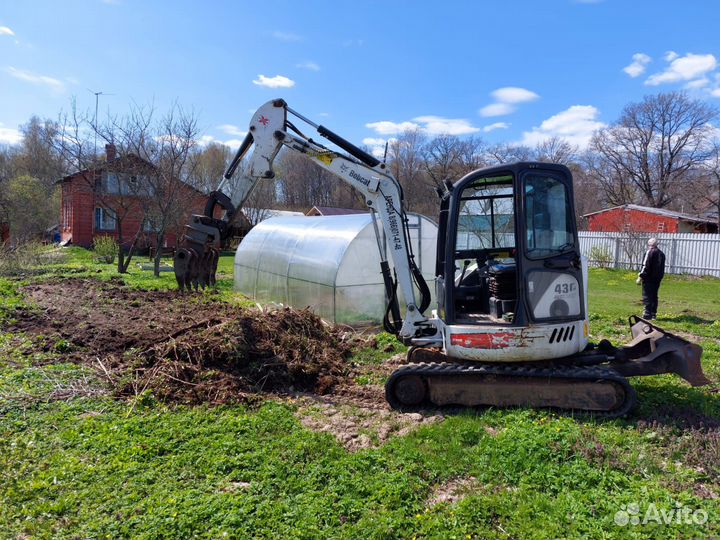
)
(196, 263)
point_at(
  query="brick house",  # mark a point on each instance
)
(644, 219)
(90, 200)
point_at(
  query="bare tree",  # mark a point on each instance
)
(406, 163)
(508, 153)
(556, 150)
(617, 188)
(448, 158)
(587, 192)
(37, 155)
(209, 165)
(655, 144)
(164, 186)
(301, 184)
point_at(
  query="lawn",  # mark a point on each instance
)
(78, 463)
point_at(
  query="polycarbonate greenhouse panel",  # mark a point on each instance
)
(330, 264)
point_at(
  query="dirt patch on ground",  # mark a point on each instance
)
(357, 427)
(453, 491)
(187, 349)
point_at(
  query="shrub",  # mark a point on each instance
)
(601, 256)
(106, 248)
(25, 258)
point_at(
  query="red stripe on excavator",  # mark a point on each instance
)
(499, 340)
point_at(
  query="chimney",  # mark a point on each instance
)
(110, 152)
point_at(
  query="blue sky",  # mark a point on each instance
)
(514, 71)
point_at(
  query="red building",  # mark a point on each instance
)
(93, 201)
(634, 218)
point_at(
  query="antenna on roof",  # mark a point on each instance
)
(97, 100)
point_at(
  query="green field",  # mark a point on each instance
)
(91, 466)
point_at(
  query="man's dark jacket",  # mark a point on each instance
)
(654, 265)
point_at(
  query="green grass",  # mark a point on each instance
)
(95, 467)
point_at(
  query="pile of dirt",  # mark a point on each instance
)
(183, 348)
(281, 351)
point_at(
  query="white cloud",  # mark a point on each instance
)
(432, 125)
(5, 31)
(373, 141)
(575, 125)
(312, 66)
(513, 94)
(323, 114)
(497, 109)
(638, 66)
(377, 145)
(206, 140)
(684, 68)
(698, 83)
(670, 56)
(232, 130)
(496, 125)
(506, 100)
(715, 92)
(437, 125)
(28, 76)
(385, 127)
(9, 135)
(278, 81)
(287, 36)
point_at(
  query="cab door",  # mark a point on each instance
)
(551, 263)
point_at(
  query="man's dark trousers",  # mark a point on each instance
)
(650, 298)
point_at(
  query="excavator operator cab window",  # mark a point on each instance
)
(485, 281)
(549, 224)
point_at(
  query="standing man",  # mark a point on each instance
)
(653, 270)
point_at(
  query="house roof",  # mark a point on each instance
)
(103, 165)
(335, 211)
(658, 211)
(117, 165)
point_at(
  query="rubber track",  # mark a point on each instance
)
(570, 374)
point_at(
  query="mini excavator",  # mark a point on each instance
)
(510, 327)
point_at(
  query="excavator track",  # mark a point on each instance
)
(599, 391)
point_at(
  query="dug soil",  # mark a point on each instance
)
(185, 348)
(194, 348)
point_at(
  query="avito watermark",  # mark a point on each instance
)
(630, 514)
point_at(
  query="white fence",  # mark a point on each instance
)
(685, 253)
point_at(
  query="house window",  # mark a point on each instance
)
(661, 226)
(112, 183)
(104, 220)
(148, 226)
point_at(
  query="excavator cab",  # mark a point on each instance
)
(508, 253)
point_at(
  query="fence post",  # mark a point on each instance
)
(673, 255)
(617, 253)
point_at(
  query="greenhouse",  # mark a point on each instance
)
(330, 264)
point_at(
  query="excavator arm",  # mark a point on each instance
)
(270, 131)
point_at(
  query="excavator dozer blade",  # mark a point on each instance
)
(654, 351)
